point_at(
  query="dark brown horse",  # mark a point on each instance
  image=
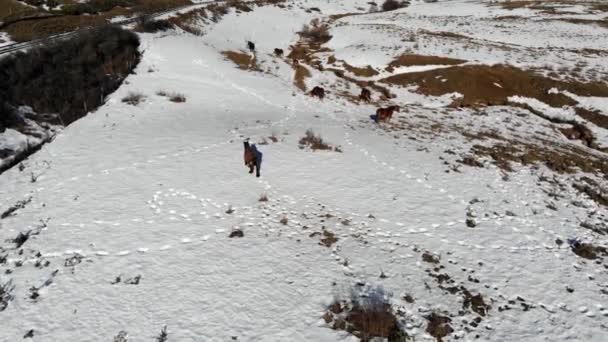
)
(318, 92)
(385, 114)
(252, 157)
(365, 95)
(278, 52)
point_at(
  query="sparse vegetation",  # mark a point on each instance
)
(366, 315)
(243, 60)
(133, 98)
(19, 205)
(163, 336)
(6, 294)
(316, 32)
(177, 98)
(263, 198)
(315, 142)
(121, 337)
(152, 26)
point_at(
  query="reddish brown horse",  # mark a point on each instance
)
(252, 158)
(318, 92)
(365, 95)
(385, 114)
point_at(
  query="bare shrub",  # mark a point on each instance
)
(6, 294)
(121, 337)
(178, 98)
(162, 93)
(284, 221)
(148, 25)
(315, 142)
(316, 32)
(163, 336)
(366, 315)
(391, 5)
(133, 98)
(263, 198)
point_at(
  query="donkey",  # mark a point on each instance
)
(252, 157)
(365, 95)
(318, 92)
(385, 114)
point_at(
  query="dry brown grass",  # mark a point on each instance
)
(159, 5)
(11, 9)
(410, 60)
(367, 319)
(368, 71)
(478, 85)
(315, 142)
(26, 30)
(244, 61)
(300, 76)
(188, 21)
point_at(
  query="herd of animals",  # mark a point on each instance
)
(253, 157)
(382, 114)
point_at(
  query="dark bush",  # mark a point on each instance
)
(391, 5)
(151, 26)
(70, 77)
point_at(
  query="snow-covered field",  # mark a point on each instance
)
(132, 206)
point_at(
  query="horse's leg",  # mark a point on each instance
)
(250, 167)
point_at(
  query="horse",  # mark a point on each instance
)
(385, 114)
(365, 95)
(252, 157)
(318, 92)
(251, 46)
(278, 52)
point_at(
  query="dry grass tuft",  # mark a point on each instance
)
(315, 142)
(133, 98)
(263, 198)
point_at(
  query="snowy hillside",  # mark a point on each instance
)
(477, 213)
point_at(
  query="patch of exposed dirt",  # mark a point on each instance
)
(410, 60)
(483, 85)
(243, 60)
